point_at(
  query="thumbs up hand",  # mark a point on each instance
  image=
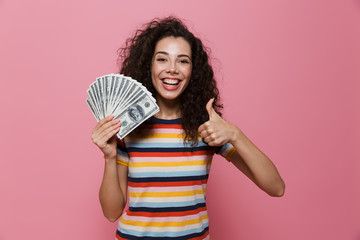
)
(216, 131)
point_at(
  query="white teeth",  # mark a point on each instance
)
(171, 81)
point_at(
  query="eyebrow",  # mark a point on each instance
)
(166, 53)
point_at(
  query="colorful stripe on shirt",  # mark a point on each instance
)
(166, 182)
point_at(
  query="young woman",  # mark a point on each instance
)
(164, 164)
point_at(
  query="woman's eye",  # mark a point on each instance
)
(184, 61)
(161, 59)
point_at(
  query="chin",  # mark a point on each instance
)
(169, 97)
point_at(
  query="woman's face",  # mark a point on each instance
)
(171, 67)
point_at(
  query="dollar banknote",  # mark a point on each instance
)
(124, 98)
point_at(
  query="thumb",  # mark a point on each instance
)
(209, 108)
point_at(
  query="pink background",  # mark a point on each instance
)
(289, 74)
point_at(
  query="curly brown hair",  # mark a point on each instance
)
(135, 61)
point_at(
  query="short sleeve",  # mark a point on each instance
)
(226, 151)
(122, 153)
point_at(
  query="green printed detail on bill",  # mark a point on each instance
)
(124, 98)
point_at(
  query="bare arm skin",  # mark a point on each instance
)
(112, 192)
(247, 158)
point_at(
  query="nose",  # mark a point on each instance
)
(172, 69)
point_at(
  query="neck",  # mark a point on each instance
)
(169, 109)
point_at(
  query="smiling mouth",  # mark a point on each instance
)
(169, 81)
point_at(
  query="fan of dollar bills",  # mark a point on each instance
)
(122, 97)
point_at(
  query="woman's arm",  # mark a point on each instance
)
(256, 165)
(112, 192)
(247, 158)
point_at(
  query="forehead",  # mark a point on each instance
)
(173, 46)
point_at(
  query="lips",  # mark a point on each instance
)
(170, 84)
(171, 81)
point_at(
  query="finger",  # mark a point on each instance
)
(106, 119)
(208, 139)
(99, 132)
(212, 144)
(204, 134)
(103, 121)
(108, 133)
(209, 107)
(109, 124)
(204, 126)
(215, 143)
(110, 128)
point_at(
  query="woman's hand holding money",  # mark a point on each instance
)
(112, 193)
(216, 131)
(103, 135)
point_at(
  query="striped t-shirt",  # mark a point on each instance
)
(166, 182)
